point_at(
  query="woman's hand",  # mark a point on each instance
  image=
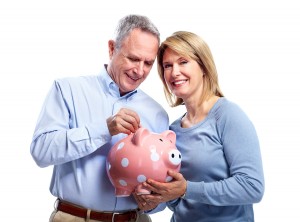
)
(163, 192)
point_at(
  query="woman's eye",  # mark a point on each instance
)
(183, 62)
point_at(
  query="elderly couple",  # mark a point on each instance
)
(221, 174)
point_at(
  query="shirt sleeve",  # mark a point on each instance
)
(54, 142)
(245, 184)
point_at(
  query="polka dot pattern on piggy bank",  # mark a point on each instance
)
(140, 156)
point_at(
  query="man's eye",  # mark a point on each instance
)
(149, 63)
(130, 58)
(133, 59)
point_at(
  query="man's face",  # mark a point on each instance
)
(130, 65)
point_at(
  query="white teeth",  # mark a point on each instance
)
(179, 82)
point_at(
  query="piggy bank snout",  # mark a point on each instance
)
(175, 157)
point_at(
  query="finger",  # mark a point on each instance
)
(156, 200)
(150, 205)
(116, 125)
(143, 203)
(175, 175)
(127, 127)
(131, 124)
(140, 199)
(154, 186)
(132, 117)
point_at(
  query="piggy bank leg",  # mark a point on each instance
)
(141, 190)
(122, 192)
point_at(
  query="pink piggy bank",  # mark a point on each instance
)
(139, 156)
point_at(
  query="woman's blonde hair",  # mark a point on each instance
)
(190, 45)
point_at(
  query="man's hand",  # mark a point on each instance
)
(125, 121)
(143, 204)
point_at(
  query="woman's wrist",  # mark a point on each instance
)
(184, 194)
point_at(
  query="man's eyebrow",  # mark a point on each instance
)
(138, 58)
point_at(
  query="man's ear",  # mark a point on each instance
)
(111, 48)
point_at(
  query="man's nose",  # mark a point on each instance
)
(139, 69)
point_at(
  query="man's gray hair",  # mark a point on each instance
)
(130, 22)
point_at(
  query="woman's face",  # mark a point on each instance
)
(183, 76)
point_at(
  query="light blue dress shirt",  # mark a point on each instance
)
(72, 135)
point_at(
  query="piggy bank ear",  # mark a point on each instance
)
(169, 134)
(139, 136)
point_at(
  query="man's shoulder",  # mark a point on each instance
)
(76, 80)
(142, 95)
(150, 104)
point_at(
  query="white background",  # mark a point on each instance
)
(256, 49)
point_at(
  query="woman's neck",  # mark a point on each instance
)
(197, 112)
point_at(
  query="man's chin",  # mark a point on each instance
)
(128, 90)
(131, 87)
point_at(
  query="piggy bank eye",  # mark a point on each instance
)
(175, 157)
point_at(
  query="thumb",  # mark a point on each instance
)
(175, 175)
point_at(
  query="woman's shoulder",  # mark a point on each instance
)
(225, 107)
(226, 111)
